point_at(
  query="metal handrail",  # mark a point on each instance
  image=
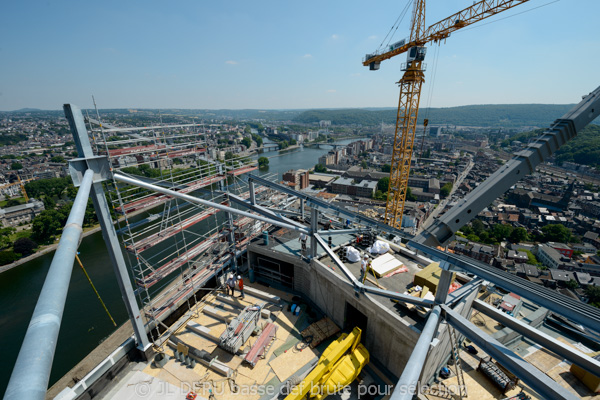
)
(29, 379)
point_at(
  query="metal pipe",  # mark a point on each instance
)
(192, 199)
(29, 379)
(341, 231)
(267, 212)
(252, 193)
(408, 385)
(314, 226)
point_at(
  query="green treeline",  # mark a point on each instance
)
(7, 140)
(505, 115)
(583, 149)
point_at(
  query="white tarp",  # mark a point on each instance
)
(379, 247)
(352, 254)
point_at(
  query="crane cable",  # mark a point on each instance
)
(396, 25)
(93, 287)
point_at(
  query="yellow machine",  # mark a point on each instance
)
(20, 183)
(410, 87)
(339, 365)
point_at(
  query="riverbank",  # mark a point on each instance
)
(50, 248)
(44, 250)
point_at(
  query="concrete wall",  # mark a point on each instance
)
(388, 338)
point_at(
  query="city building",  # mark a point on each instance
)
(350, 187)
(296, 179)
(24, 213)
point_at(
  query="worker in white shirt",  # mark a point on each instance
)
(231, 285)
(363, 267)
(303, 239)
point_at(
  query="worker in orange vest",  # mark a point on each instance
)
(241, 286)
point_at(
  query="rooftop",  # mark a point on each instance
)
(230, 376)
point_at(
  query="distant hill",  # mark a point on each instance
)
(491, 115)
(583, 149)
(28, 110)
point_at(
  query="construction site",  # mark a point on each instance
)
(324, 302)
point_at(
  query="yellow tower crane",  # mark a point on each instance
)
(410, 87)
(20, 183)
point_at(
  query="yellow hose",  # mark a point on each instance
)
(93, 287)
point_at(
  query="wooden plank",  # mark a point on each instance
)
(290, 362)
(202, 331)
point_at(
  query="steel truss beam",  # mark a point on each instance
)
(535, 379)
(341, 231)
(263, 210)
(463, 291)
(84, 149)
(192, 199)
(547, 341)
(323, 205)
(579, 312)
(337, 260)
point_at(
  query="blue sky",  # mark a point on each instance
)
(284, 54)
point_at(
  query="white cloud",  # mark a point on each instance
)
(373, 37)
(307, 56)
(335, 36)
(331, 91)
(231, 62)
(355, 74)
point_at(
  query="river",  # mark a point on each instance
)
(85, 323)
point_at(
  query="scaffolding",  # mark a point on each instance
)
(174, 246)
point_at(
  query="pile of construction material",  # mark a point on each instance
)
(240, 328)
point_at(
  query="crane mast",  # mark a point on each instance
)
(410, 88)
(406, 121)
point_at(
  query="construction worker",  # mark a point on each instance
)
(363, 267)
(368, 269)
(241, 286)
(231, 285)
(303, 239)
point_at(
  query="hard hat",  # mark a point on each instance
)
(366, 256)
(231, 275)
(239, 277)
